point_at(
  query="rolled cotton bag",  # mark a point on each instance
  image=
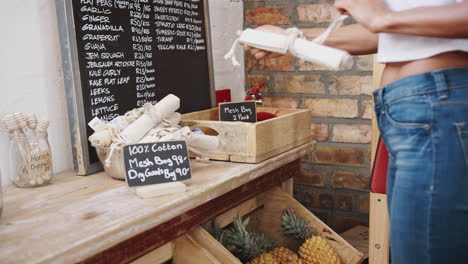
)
(152, 116)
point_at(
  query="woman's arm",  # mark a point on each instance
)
(447, 21)
(355, 39)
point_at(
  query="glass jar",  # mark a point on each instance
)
(30, 160)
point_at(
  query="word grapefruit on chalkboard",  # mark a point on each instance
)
(153, 163)
(241, 111)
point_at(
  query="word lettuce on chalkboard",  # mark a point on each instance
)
(154, 163)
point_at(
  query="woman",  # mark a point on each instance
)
(422, 112)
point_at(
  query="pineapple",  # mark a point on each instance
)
(286, 256)
(265, 258)
(314, 249)
(248, 246)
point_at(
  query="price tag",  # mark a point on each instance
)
(154, 163)
(241, 111)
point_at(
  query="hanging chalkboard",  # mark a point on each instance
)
(120, 54)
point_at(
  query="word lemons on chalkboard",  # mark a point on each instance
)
(241, 111)
(154, 163)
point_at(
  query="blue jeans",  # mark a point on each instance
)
(423, 120)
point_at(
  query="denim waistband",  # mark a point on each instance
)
(440, 81)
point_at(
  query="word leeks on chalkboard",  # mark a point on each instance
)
(118, 55)
(153, 163)
(240, 111)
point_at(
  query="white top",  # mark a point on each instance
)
(401, 47)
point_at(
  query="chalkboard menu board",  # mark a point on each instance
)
(120, 54)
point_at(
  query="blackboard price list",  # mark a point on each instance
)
(132, 52)
(154, 163)
(143, 52)
(178, 27)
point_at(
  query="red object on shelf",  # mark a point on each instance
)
(261, 116)
(379, 171)
(223, 96)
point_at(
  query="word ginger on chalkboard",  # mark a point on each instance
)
(241, 111)
(153, 163)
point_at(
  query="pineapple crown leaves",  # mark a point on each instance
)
(295, 227)
(244, 244)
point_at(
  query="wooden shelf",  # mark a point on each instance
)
(98, 219)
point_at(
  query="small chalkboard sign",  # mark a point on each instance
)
(240, 111)
(153, 163)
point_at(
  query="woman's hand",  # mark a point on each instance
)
(260, 54)
(369, 13)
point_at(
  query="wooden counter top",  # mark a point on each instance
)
(79, 216)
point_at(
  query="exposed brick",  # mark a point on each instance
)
(319, 131)
(281, 102)
(365, 63)
(313, 177)
(341, 223)
(367, 109)
(304, 66)
(316, 13)
(331, 107)
(364, 204)
(351, 133)
(310, 199)
(309, 84)
(279, 15)
(344, 202)
(322, 215)
(349, 180)
(340, 156)
(326, 201)
(254, 79)
(283, 63)
(351, 85)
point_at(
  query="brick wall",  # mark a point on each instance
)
(334, 180)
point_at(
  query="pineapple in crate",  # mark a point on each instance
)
(254, 247)
(313, 249)
(247, 246)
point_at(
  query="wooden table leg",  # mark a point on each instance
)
(287, 186)
(379, 230)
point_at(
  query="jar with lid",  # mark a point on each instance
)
(30, 160)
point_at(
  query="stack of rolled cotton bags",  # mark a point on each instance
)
(147, 124)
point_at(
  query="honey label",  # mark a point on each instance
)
(40, 161)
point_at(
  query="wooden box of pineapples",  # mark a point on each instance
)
(274, 228)
(271, 228)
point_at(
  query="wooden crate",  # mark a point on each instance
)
(254, 142)
(195, 247)
(265, 211)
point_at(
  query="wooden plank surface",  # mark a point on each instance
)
(157, 256)
(148, 240)
(379, 230)
(358, 237)
(76, 218)
(202, 237)
(189, 251)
